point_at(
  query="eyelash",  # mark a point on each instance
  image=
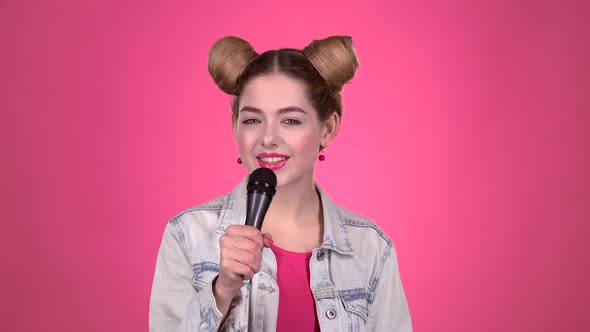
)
(287, 121)
(250, 121)
(292, 121)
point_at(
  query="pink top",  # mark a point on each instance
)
(296, 304)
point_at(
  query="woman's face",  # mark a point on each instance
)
(278, 128)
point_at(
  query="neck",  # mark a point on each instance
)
(296, 204)
(294, 218)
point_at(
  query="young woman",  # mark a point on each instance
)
(315, 266)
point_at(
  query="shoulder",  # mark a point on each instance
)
(364, 226)
(200, 212)
(199, 222)
(366, 239)
(352, 232)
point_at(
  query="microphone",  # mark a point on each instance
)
(261, 188)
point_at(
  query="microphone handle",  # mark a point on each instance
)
(258, 204)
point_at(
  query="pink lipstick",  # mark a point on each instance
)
(272, 160)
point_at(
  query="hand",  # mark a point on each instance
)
(241, 257)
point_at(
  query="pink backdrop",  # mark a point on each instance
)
(465, 137)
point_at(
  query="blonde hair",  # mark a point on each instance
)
(334, 58)
(325, 65)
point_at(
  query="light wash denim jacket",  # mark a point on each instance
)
(354, 275)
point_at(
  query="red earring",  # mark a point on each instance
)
(239, 160)
(321, 157)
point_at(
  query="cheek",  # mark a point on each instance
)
(245, 145)
(244, 141)
(307, 144)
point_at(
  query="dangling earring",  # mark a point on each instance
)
(239, 160)
(321, 157)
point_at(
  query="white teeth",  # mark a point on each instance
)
(272, 160)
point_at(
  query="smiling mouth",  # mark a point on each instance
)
(272, 160)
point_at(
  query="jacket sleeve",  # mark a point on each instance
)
(389, 309)
(175, 304)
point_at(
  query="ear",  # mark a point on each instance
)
(330, 129)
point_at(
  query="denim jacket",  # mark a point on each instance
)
(354, 275)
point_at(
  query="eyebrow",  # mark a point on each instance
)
(281, 111)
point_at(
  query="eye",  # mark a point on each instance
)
(250, 121)
(292, 121)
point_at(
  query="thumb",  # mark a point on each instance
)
(267, 239)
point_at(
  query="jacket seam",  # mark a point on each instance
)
(377, 278)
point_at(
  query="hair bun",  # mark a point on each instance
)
(334, 58)
(228, 58)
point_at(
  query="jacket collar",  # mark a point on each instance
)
(336, 237)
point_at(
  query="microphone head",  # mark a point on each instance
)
(263, 180)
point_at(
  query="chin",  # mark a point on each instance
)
(282, 181)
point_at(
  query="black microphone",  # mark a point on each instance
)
(261, 188)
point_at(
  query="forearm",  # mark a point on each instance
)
(223, 299)
(176, 304)
(183, 310)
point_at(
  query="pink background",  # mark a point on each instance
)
(465, 137)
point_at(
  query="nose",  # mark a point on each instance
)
(271, 135)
